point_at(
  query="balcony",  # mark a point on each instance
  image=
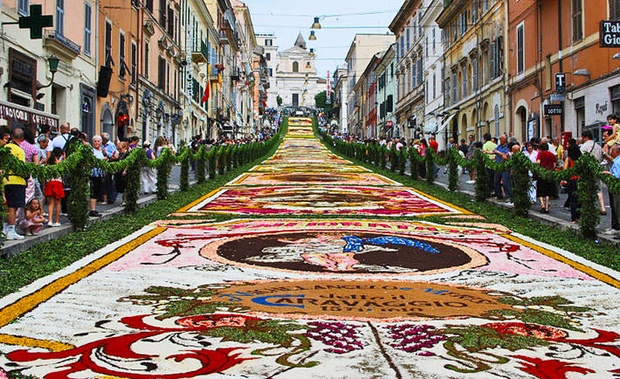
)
(61, 45)
(234, 75)
(223, 37)
(200, 56)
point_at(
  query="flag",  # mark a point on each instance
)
(205, 95)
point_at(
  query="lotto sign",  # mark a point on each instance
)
(553, 109)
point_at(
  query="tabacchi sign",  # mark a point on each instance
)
(610, 34)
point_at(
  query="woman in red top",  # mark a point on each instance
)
(545, 188)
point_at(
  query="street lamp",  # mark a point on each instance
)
(312, 36)
(316, 24)
(53, 61)
(582, 72)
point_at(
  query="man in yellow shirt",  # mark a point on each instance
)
(14, 194)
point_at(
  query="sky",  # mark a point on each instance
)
(340, 21)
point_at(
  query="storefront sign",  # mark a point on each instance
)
(553, 109)
(27, 116)
(609, 33)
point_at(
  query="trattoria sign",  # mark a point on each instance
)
(609, 34)
(25, 115)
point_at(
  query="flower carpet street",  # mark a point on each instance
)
(323, 270)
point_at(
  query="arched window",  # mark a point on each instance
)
(295, 66)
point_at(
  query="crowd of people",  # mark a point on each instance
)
(32, 204)
(548, 152)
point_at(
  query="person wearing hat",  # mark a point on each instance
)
(148, 176)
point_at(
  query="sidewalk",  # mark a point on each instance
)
(558, 215)
(14, 247)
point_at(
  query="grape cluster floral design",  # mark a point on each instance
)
(343, 338)
(413, 338)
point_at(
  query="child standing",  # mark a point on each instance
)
(54, 191)
(33, 223)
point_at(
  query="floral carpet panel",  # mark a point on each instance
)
(350, 296)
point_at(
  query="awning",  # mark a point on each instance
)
(25, 115)
(445, 123)
(430, 126)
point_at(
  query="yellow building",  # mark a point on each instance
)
(474, 68)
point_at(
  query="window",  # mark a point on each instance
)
(474, 77)
(167, 76)
(134, 62)
(270, 72)
(146, 59)
(577, 20)
(88, 11)
(162, 13)
(171, 22)
(161, 73)
(464, 82)
(420, 70)
(520, 49)
(434, 38)
(497, 57)
(454, 88)
(462, 23)
(474, 11)
(108, 43)
(420, 26)
(434, 86)
(23, 7)
(121, 54)
(268, 42)
(496, 119)
(407, 33)
(149, 5)
(485, 5)
(414, 74)
(295, 66)
(60, 17)
(267, 56)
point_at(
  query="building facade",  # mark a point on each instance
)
(474, 67)
(35, 97)
(561, 80)
(362, 49)
(386, 94)
(270, 48)
(409, 34)
(297, 81)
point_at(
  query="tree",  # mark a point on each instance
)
(320, 101)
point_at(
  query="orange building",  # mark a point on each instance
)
(138, 86)
(560, 80)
